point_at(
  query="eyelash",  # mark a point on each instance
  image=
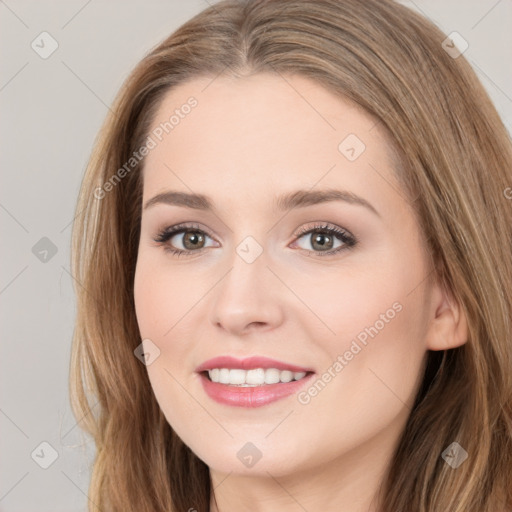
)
(349, 240)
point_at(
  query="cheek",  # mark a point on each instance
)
(342, 304)
(375, 315)
(373, 362)
(161, 297)
(161, 301)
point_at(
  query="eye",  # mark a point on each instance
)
(190, 237)
(324, 236)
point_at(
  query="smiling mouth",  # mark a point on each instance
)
(256, 377)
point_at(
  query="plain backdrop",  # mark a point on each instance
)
(51, 110)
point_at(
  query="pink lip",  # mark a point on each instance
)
(251, 396)
(249, 364)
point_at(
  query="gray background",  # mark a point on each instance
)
(51, 111)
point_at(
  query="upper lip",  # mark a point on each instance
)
(249, 363)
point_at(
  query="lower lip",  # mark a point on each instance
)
(254, 396)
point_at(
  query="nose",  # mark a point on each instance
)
(248, 298)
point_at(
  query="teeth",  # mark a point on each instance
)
(255, 377)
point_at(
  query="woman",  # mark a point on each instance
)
(293, 245)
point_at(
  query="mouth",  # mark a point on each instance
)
(251, 382)
(252, 388)
(256, 377)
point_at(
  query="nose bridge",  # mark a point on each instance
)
(248, 272)
(245, 294)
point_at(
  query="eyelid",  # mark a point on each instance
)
(183, 226)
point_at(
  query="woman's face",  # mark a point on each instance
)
(262, 275)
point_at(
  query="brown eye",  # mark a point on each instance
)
(322, 239)
(192, 240)
(182, 239)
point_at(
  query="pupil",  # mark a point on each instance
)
(193, 238)
(318, 239)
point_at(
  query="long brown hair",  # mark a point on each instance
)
(456, 167)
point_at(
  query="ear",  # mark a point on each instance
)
(448, 323)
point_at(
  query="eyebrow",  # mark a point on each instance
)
(297, 199)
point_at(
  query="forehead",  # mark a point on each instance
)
(261, 133)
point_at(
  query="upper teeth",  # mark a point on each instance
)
(255, 377)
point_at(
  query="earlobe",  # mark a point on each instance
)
(448, 326)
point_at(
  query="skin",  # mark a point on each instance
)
(247, 141)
